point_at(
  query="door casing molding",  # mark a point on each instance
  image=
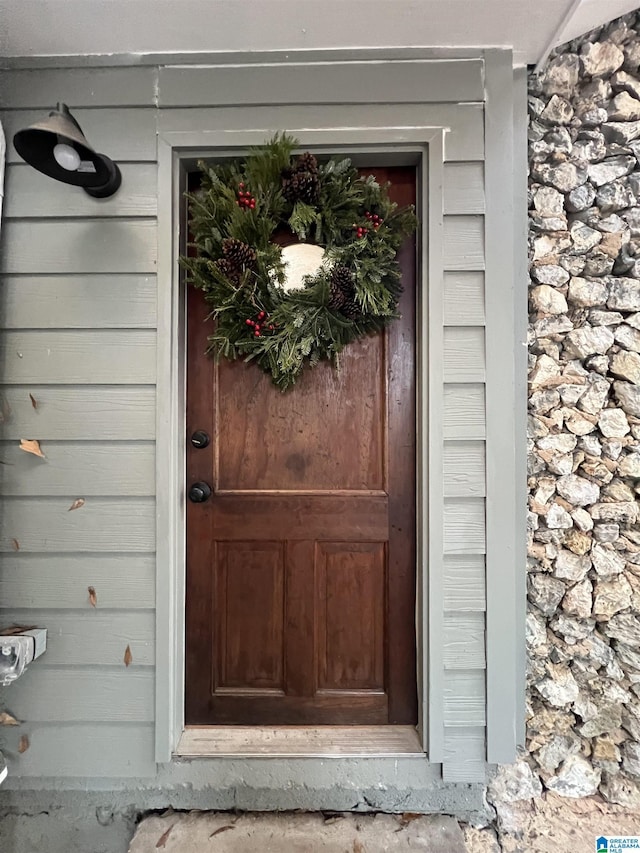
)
(178, 152)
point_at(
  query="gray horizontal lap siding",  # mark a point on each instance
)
(78, 301)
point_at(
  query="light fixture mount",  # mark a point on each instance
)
(57, 147)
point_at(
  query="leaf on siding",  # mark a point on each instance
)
(93, 598)
(164, 837)
(16, 544)
(30, 445)
(34, 402)
(128, 657)
(7, 719)
(24, 744)
(76, 504)
(221, 829)
(5, 411)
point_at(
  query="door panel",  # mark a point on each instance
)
(301, 566)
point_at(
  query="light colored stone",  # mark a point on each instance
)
(559, 688)
(577, 600)
(631, 759)
(628, 396)
(583, 238)
(561, 75)
(582, 521)
(564, 177)
(582, 197)
(621, 132)
(559, 110)
(610, 169)
(588, 293)
(558, 518)
(550, 274)
(595, 396)
(577, 778)
(611, 597)
(548, 202)
(630, 465)
(628, 337)
(620, 789)
(606, 561)
(624, 294)
(515, 782)
(624, 627)
(626, 365)
(578, 424)
(577, 490)
(607, 719)
(601, 58)
(545, 592)
(624, 107)
(588, 341)
(557, 750)
(571, 567)
(548, 300)
(613, 423)
(606, 532)
(560, 443)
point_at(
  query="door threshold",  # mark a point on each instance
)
(299, 741)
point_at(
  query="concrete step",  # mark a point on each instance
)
(218, 832)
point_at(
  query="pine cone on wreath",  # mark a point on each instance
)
(342, 293)
(229, 270)
(300, 186)
(238, 254)
(306, 163)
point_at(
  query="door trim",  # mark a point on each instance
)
(178, 152)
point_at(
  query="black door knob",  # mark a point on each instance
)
(199, 492)
(200, 439)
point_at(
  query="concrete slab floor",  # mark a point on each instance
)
(198, 832)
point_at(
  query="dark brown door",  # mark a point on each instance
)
(301, 565)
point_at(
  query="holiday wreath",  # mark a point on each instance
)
(240, 216)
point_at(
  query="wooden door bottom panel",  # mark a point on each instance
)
(367, 708)
(300, 741)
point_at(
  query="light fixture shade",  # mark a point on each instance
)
(96, 174)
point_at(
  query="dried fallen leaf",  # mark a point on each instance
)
(358, 847)
(221, 829)
(34, 402)
(24, 744)
(128, 657)
(407, 817)
(16, 544)
(164, 837)
(93, 598)
(30, 445)
(12, 630)
(76, 504)
(7, 719)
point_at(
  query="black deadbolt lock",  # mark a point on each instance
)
(199, 492)
(200, 439)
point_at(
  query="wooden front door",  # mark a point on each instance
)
(301, 565)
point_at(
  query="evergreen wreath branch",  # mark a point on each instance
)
(233, 218)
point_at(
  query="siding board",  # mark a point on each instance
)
(464, 242)
(464, 354)
(78, 413)
(60, 582)
(91, 639)
(322, 83)
(79, 301)
(463, 188)
(83, 750)
(464, 698)
(103, 126)
(84, 694)
(79, 468)
(464, 412)
(464, 755)
(27, 196)
(101, 87)
(85, 246)
(464, 469)
(464, 641)
(464, 123)
(464, 527)
(42, 525)
(464, 299)
(464, 583)
(96, 357)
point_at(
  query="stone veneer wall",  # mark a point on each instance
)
(584, 422)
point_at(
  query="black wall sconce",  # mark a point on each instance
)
(56, 146)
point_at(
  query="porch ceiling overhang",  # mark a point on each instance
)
(37, 28)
